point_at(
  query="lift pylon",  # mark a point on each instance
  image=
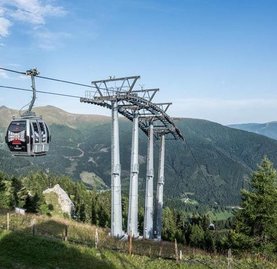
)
(152, 119)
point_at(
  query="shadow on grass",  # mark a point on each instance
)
(23, 250)
(123, 263)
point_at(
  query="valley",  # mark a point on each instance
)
(213, 163)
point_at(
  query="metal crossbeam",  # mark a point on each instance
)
(104, 88)
(163, 106)
(111, 79)
(130, 99)
(147, 93)
(150, 116)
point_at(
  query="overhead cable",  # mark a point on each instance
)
(28, 90)
(66, 81)
(48, 78)
(13, 71)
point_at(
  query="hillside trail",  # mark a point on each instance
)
(82, 152)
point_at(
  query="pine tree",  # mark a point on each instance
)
(4, 199)
(169, 224)
(33, 203)
(258, 216)
(197, 236)
(6, 192)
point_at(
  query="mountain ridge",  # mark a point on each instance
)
(268, 129)
(211, 166)
(52, 115)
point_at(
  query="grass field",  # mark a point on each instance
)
(222, 215)
(20, 249)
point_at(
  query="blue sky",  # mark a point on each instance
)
(213, 59)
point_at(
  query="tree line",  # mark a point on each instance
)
(253, 226)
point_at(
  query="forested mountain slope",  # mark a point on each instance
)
(211, 166)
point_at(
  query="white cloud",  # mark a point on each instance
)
(2, 11)
(4, 27)
(32, 12)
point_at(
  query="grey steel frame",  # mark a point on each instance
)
(152, 119)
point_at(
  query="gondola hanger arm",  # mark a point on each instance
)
(32, 73)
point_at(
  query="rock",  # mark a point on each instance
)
(65, 202)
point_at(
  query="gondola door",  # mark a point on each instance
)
(37, 146)
(44, 135)
(31, 134)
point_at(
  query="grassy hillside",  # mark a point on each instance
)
(211, 166)
(46, 249)
(53, 115)
(19, 250)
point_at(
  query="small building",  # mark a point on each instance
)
(20, 211)
(211, 226)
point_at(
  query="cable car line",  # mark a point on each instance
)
(44, 92)
(66, 81)
(56, 79)
(13, 71)
(48, 78)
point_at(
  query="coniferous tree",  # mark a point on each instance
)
(258, 217)
(169, 224)
(197, 236)
(32, 203)
(6, 192)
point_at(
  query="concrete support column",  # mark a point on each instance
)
(116, 206)
(160, 187)
(132, 227)
(148, 212)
